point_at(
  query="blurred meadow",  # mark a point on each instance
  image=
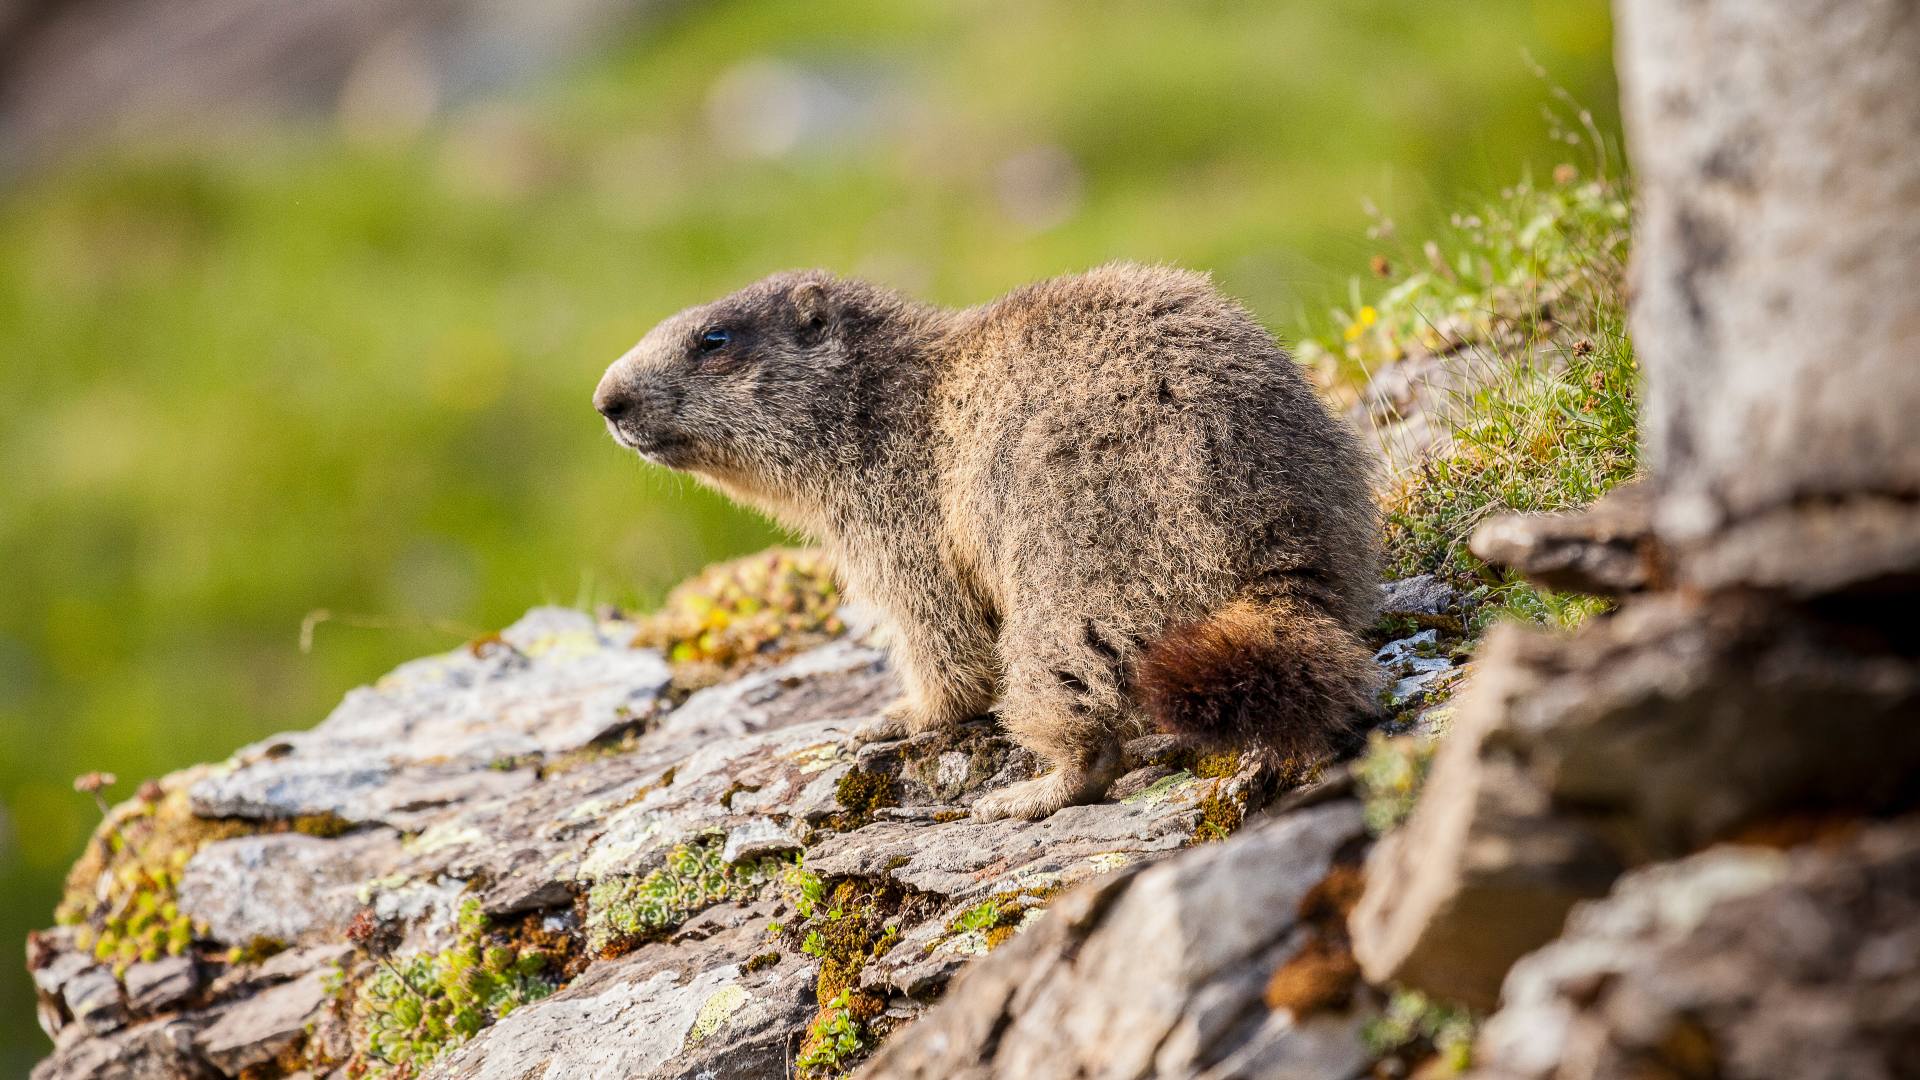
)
(338, 359)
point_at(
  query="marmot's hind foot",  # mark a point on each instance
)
(1033, 799)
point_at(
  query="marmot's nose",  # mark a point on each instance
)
(612, 399)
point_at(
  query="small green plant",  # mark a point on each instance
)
(993, 921)
(805, 890)
(1390, 775)
(832, 1039)
(122, 896)
(982, 916)
(843, 925)
(623, 910)
(412, 1011)
(1415, 1028)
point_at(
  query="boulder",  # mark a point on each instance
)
(545, 789)
(1739, 961)
(1645, 735)
(1158, 971)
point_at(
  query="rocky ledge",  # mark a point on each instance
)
(588, 847)
(539, 855)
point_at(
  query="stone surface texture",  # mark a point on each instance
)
(1154, 973)
(526, 778)
(521, 772)
(1738, 962)
(1644, 736)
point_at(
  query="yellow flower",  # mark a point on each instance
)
(1367, 317)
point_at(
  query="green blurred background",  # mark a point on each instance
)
(341, 359)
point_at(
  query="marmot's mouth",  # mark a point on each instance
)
(652, 446)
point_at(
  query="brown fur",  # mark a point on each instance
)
(1096, 481)
(1269, 673)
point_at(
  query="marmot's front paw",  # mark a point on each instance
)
(883, 728)
(899, 720)
(1035, 799)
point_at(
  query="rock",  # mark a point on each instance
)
(1428, 677)
(1396, 655)
(1162, 750)
(67, 961)
(754, 769)
(160, 985)
(1866, 542)
(285, 887)
(1139, 780)
(1643, 736)
(93, 997)
(1417, 674)
(1607, 549)
(758, 838)
(686, 1010)
(369, 786)
(258, 1029)
(966, 859)
(1420, 595)
(1155, 971)
(240, 980)
(435, 731)
(157, 1050)
(1739, 961)
(1450, 915)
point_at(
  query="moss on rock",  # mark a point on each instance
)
(747, 613)
(123, 894)
(625, 910)
(409, 1013)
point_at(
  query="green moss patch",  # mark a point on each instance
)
(1421, 1035)
(844, 926)
(625, 910)
(997, 918)
(860, 794)
(123, 894)
(1390, 775)
(409, 1013)
(837, 1036)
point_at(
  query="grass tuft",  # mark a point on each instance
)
(1521, 327)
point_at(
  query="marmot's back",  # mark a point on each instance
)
(1133, 419)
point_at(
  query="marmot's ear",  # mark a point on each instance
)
(812, 307)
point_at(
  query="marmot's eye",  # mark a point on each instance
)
(714, 338)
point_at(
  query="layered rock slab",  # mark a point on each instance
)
(1155, 972)
(1741, 961)
(524, 770)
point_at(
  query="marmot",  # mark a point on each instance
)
(1099, 503)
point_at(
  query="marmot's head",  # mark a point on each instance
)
(758, 383)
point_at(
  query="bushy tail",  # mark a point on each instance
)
(1266, 669)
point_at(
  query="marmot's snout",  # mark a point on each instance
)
(611, 399)
(638, 417)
